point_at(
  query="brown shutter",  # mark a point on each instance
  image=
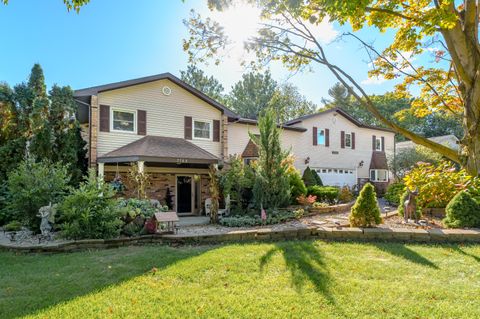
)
(315, 141)
(327, 137)
(216, 130)
(104, 118)
(342, 139)
(141, 122)
(188, 127)
(353, 141)
(374, 139)
(383, 144)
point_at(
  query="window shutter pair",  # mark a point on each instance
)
(342, 140)
(105, 120)
(374, 142)
(189, 126)
(315, 136)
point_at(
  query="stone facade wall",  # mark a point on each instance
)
(93, 130)
(159, 183)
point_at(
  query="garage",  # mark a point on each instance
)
(337, 176)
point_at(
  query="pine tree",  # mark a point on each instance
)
(365, 212)
(308, 177)
(271, 188)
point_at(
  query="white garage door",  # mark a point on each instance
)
(337, 176)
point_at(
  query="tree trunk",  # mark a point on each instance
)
(470, 144)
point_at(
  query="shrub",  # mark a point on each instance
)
(319, 205)
(462, 211)
(273, 217)
(297, 187)
(306, 200)
(311, 178)
(91, 211)
(394, 192)
(437, 185)
(271, 188)
(401, 206)
(365, 211)
(237, 181)
(324, 193)
(345, 195)
(132, 229)
(135, 207)
(13, 226)
(33, 185)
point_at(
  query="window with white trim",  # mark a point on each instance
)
(123, 121)
(348, 140)
(320, 137)
(379, 175)
(202, 129)
(378, 144)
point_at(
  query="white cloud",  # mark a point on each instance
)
(376, 80)
(324, 31)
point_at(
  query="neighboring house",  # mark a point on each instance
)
(446, 140)
(342, 150)
(175, 132)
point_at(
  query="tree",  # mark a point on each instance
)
(271, 188)
(398, 110)
(259, 91)
(252, 94)
(40, 125)
(206, 84)
(449, 85)
(288, 103)
(365, 211)
(70, 4)
(405, 159)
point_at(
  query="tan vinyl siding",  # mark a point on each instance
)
(321, 156)
(165, 114)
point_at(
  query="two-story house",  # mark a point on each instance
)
(174, 132)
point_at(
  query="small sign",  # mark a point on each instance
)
(182, 160)
(335, 152)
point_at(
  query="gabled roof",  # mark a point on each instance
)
(243, 120)
(251, 150)
(341, 112)
(87, 92)
(160, 149)
(446, 140)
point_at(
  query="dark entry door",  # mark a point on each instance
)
(184, 194)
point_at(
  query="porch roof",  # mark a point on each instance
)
(160, 149)
(379, 160)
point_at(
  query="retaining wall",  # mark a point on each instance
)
(267, 234)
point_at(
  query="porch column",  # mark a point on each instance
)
(101, 170)
(141, 166)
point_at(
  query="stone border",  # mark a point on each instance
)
(340, 208)
(267, 234)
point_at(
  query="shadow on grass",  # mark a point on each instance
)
(459, 249)
(305, 262)
(400, 250)
(31, 283)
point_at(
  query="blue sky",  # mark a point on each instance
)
(115, 40)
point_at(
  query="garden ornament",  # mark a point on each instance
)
(47, 213)
(410, 206)
(155, 203)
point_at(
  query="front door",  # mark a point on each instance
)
(184, 194)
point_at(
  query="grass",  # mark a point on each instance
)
(298, 279)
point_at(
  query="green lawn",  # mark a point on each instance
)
(298, 279)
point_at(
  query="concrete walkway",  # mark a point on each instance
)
(193, 221)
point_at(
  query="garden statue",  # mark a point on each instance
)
(155, 204)
(410, 206)
(47, 213)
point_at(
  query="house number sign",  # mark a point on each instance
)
(182, 160)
